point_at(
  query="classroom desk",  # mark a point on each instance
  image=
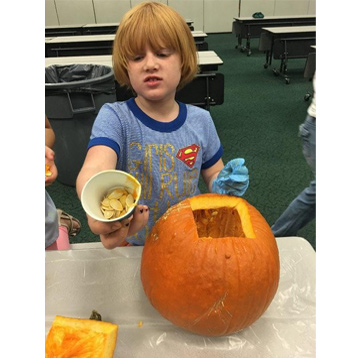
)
(90, 277)
(206, 89)
(190, 24)
(285, 43)
(63, 30)
(271, 34)
(97, 44)
(200, 40)
(79, 45)
(100, 29)
(207, 60)
(89, 29)
(249, 27)
(111, 28)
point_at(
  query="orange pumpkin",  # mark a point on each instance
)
(210, 265)
(81, 338)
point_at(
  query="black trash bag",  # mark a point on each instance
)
(79, 78)
(74, 95)
(77, 88)
(70, 73)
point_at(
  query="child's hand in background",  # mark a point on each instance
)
(51, 172)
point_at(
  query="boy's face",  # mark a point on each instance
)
(155, 75)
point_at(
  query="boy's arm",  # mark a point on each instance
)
(211, 173)
(111, 234)
(98, 158)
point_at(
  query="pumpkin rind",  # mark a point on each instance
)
(210, 286)
(81, 338)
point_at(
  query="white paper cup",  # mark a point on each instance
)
(100, 184)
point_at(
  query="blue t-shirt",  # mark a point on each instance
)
(166, 158)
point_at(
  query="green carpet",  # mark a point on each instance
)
(258, 121)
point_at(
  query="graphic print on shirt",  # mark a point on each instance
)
(188, 155)
(166, 174)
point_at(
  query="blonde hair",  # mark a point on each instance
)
(159, 26)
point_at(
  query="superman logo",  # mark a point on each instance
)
(188, 155)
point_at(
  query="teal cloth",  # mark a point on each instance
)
(233, 179)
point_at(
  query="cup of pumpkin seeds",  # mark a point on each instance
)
(110, 195)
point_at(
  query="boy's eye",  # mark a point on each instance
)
(136, 57)
(164, 53)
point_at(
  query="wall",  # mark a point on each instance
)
(190, 9)
(278, 7)
(207, 15)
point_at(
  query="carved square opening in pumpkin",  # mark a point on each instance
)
(218, 223)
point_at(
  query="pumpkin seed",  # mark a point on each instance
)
(117, 203)
(108, 214)
(129, 200)
(106, 202)
(115, 194)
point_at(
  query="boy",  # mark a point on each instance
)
(165, 144)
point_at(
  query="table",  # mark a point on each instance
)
(206, 89)
(207, 60)
(249, 27)
(88, 29)
(79, 45)
(63, 30)
(111, 28)
(101, 44)
(190, 24)
(285, 43)
(100, 29)
(90, 277)
(271, 34)
(200, 40)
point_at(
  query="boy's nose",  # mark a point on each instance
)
(151, 63)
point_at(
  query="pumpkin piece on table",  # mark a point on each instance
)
(210, 264)
(81, 338)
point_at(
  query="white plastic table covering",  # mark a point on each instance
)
(90, 277)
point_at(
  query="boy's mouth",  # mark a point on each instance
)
(152, 79)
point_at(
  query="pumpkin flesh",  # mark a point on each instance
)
(208, 223)
(82, 338)
(210, 265)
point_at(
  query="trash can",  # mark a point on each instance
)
(73, 96)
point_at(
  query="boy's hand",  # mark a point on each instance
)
(233, 179)
(117, 237)
(114, 234)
